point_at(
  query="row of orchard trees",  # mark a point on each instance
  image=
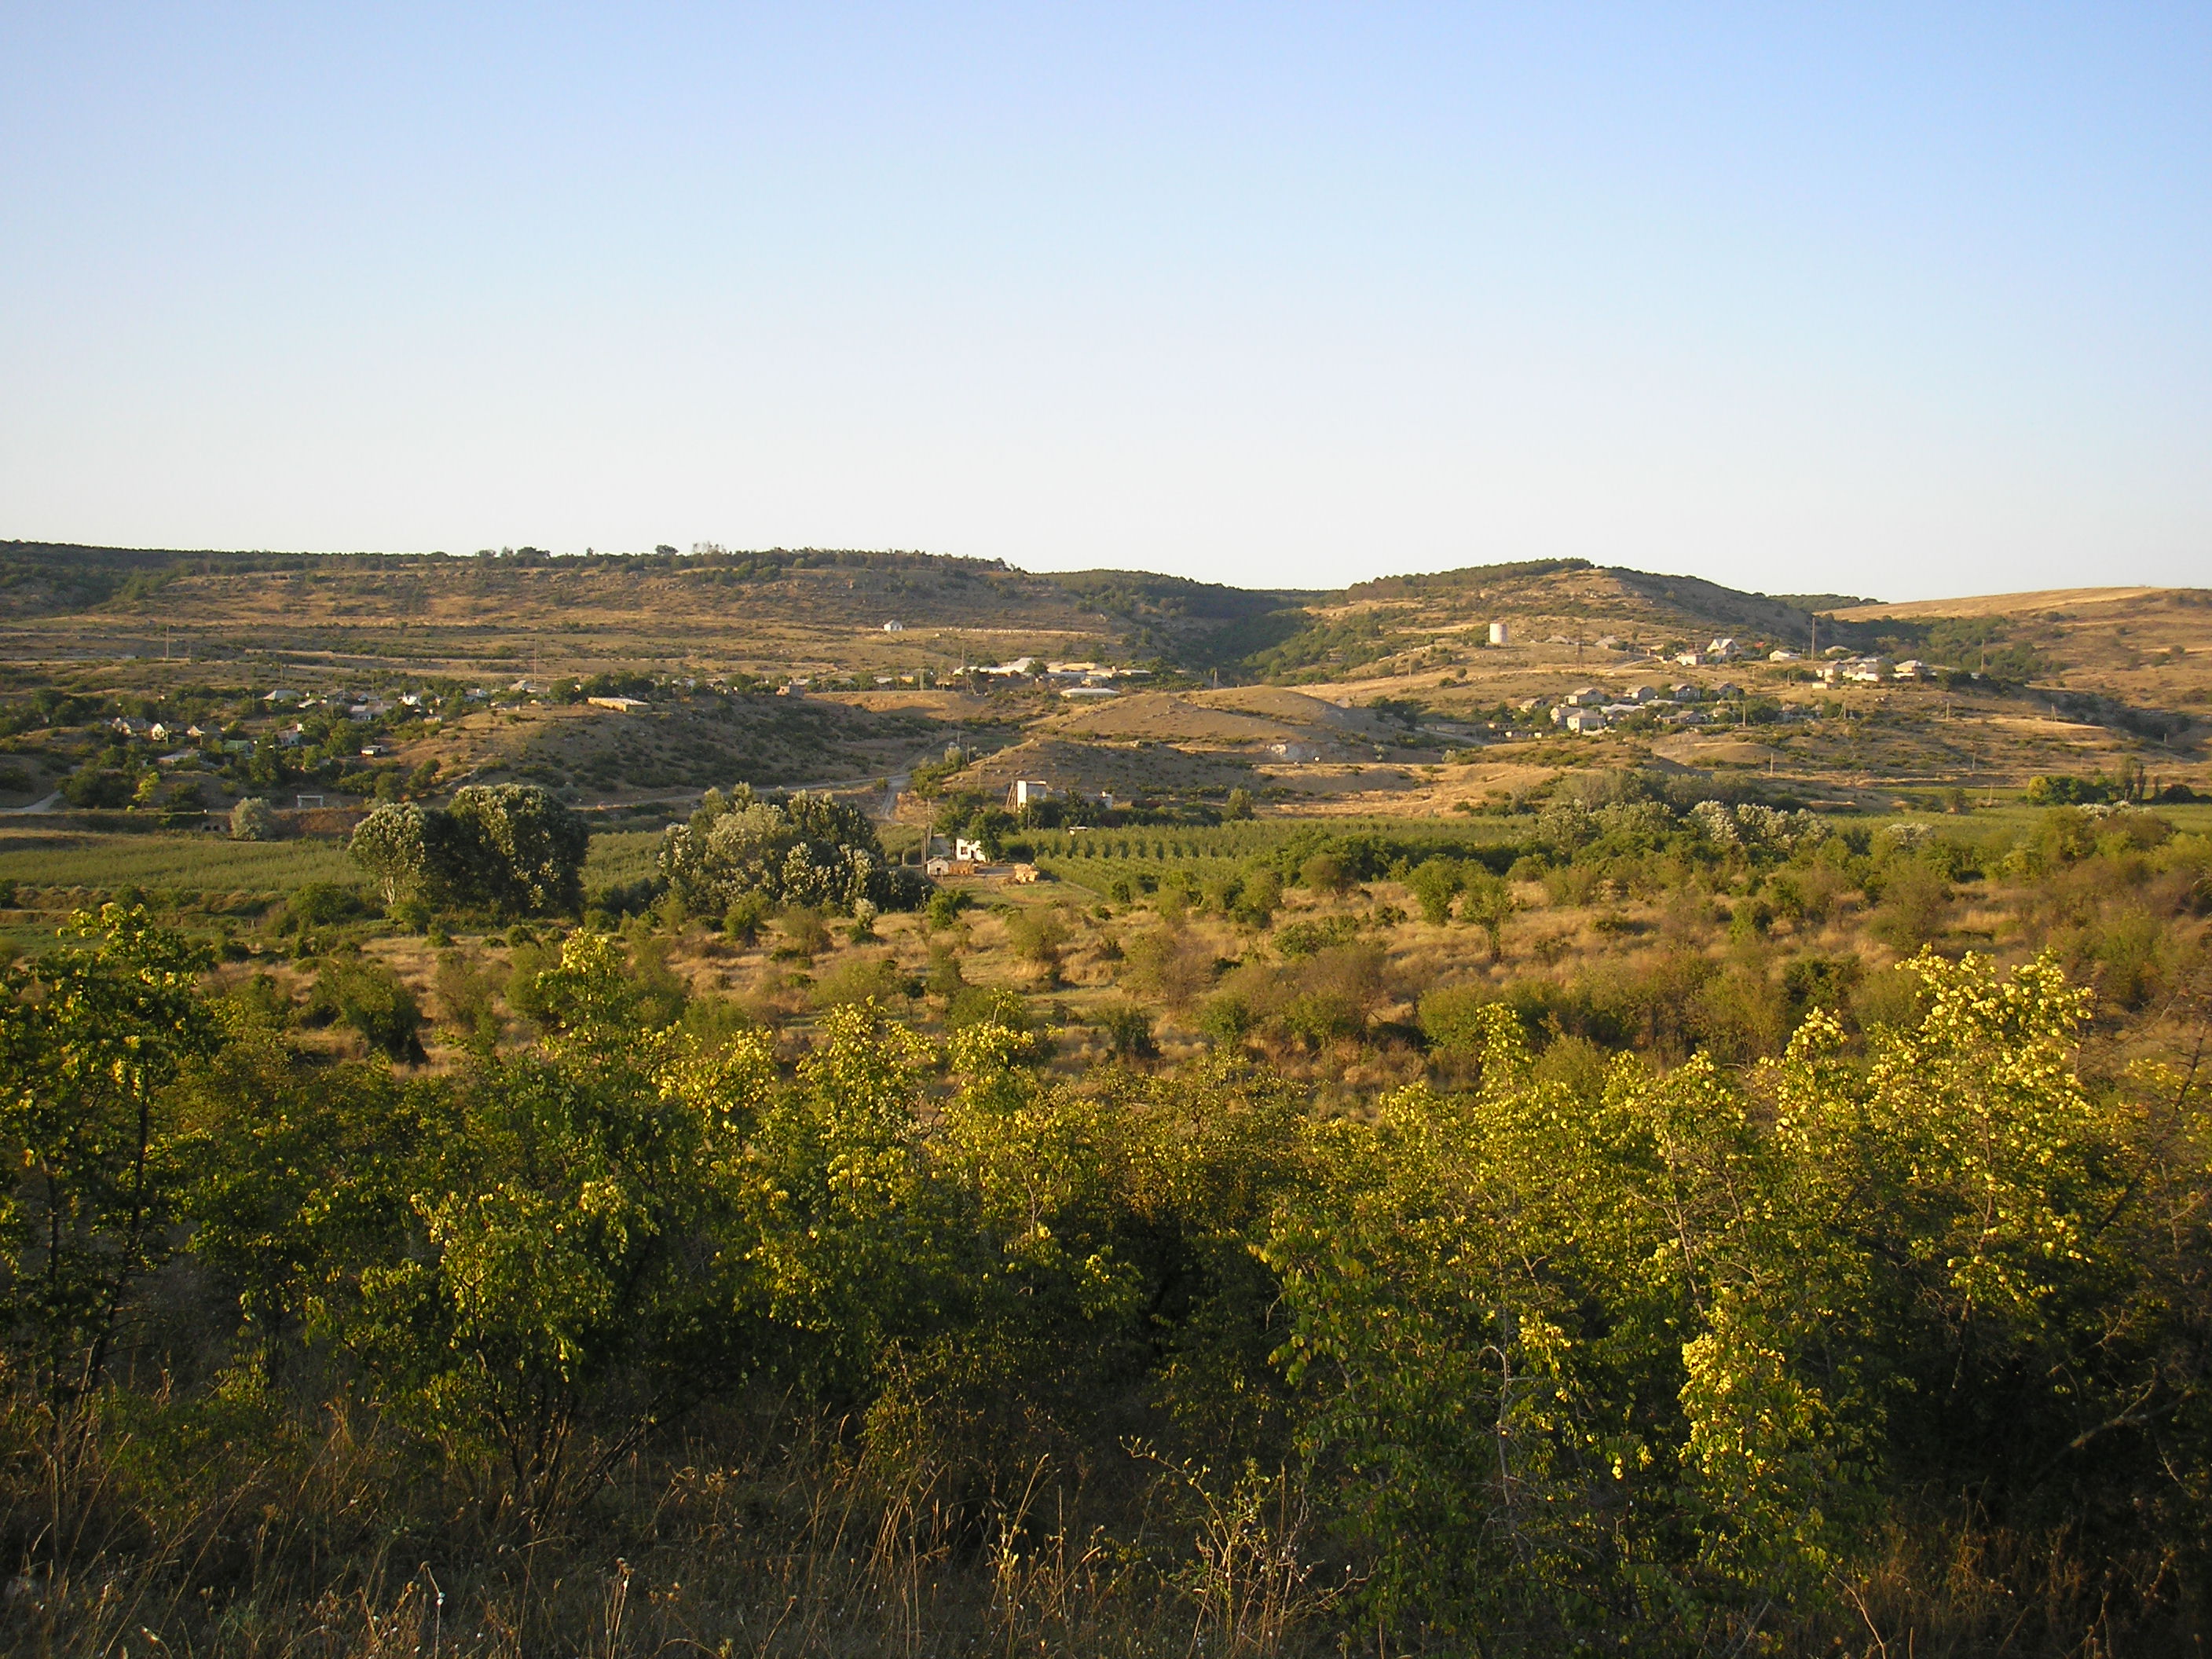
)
(1656, 1368)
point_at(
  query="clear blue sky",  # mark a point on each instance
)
(1907, 300)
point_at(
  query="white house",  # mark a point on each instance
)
(965, 851)
(1587, 720)
(1782, 656)
(1024, 791)
(894, 627)
(620, 705)
(1501, 634)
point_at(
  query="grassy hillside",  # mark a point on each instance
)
(1393, 673)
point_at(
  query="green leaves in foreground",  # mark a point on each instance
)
(1582, 1357)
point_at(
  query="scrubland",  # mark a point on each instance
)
(1636, 1222)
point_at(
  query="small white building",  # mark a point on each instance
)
(965, 851)
(1784, 655)
(620, 705)
(1586, 720)
(1501, 633)
(894, 627)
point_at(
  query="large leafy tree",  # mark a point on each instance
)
(89, 1040)
(519, 848)
(399, 845)
(510, 847)
(810, 850)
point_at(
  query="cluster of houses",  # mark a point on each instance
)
(1721, 650)
(1592, 709)
(159, 732)
(1873, 670)
(1076, 680)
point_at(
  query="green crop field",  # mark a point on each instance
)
(622, 855)
(176, 860)
(206, 862)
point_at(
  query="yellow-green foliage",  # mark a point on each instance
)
(1584, 1355)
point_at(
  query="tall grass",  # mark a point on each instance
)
(280, 1537)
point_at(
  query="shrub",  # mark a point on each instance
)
(1916, 901)
(1039, 938)
(1325, 872)
(254, 819)
(98, 787)
(804, 936)
(1434, 883)
(325, 903)
(862, 979)
(743, 922)
(369, 997)
(1128, 1029)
